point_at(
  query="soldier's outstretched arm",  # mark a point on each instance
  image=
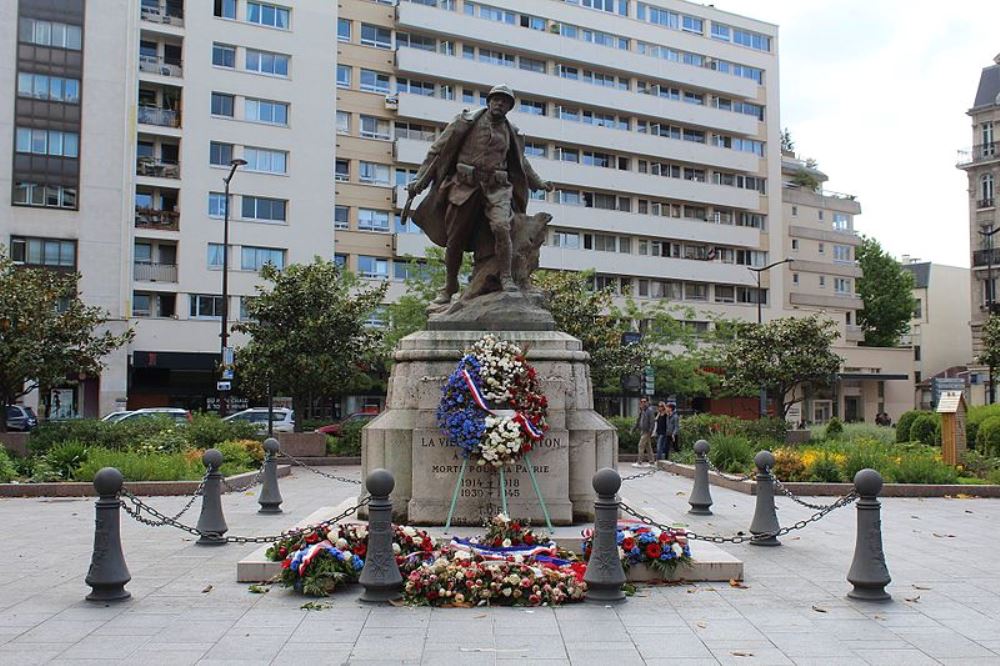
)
(535, 181)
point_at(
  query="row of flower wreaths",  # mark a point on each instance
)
(493, 409)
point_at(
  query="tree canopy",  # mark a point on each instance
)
(886, 290)
(310, 332)
(48, 337)
(990, 353)
(781, 355)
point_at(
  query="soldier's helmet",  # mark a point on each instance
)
(502, 89)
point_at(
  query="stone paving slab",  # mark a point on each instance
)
(186, 609)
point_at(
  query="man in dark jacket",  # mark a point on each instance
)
(645, 422)
(478, 171)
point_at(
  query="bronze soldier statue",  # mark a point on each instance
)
(478, 170)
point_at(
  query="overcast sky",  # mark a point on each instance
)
(876, 91)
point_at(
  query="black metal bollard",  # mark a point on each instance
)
(701, 494)
(212, 519)
(380, 577)
(270, 497)
(108, 572)
(869, 574)
(605, 575)
(765, 520)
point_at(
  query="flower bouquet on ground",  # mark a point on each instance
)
(503, 532)
(491, 406)
(660, 550)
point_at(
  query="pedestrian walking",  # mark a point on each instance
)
(645, 422)
(673, 427)
(662, 437)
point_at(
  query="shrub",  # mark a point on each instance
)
(207, 431)
(868, 454)
(236, 458)
(64, 459)
(834, 428)
(114, 436)
(924, 468)
(141, 466)
(825, 469)
(350, 438)
(7, 468)
(904, 423)
(926, 429)
(975, 417)
(170, 440)
(788, 465)
(853, 432)
(766, 432)
(979, 465)
(628, 439)
(731, 453)
(705, 426)
(988, 436)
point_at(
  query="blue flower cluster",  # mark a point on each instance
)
(458, 416)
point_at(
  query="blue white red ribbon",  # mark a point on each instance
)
(530, 429)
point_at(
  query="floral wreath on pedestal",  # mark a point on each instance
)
(491, 406)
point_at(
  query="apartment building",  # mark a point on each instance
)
(821, 242)
(656, 121)
(981, 164)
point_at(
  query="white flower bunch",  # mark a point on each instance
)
(498, 366)
(501, 441)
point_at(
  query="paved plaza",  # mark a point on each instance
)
(187, 609)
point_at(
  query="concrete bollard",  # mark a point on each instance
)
(605, 575)
(108, 572)
(701, 494)
(869, 574)
(765, 519)
(380, 577)
(270, 497)
(211, 518)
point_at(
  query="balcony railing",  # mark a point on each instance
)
(985, 203)
(153, 218)
(169, 13)
(159, 168)
(980, 153)
(148, 271)
(157, 65)
(986, 257)
(154, 115)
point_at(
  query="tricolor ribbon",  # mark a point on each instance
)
(529, 428)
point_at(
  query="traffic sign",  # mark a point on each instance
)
(223, 386)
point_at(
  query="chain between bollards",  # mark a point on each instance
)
(380, 576)
(869, 573)
(212, 522)
(605, 575)
(108, 572)
(701, 494)
(270, 496)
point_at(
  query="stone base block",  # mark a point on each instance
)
(16, 443)
(302, 444)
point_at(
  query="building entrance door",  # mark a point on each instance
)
(852, 409)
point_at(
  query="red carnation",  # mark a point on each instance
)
(529, 539)
(282, 551)
(360, 550)
(516, 526)
(286, 564)
(665, 537)
(653, 551)
(312, 537)
(628, 543)
(497, 541)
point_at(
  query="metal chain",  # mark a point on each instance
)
(191, 500)
(254, 480)
(780, 487)
(724, 475)
(158, 520)
(742, 538)
(300, 530)
(641, 475)
(342, 479)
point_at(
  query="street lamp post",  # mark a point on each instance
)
(760, 320)
(990, 295)
(224, 335)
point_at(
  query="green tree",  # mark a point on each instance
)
(47, 334)
(886, 291)
(309, 333)
(781, 355)
(990, 354)
(787, 144)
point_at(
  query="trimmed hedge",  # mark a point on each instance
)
(904, 424)
(926, 429)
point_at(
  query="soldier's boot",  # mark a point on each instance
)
(444, 296)
(503, 249)
(507, 284)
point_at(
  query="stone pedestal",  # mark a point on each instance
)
(406, 440)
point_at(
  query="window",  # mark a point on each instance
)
(343, 30)
(822, 248)
(987, 189)
(795, 211)
(216, 204)
(373, 35)
(50, 33)
(721, 31)
(142, 305)
(216, 257)
(918, 308)
(372, 81)
(820, 214)
(491, 57)
(265, 62)
(50, 88)
(567, 239)
(47, 142)
(49, 196)
(753, 40)
(822, 281)
(612, 6)
(417, 42)
(269, 15)
(220, 154)
(254, 258)
(842, 253)
(205, 305)
(373, 267)
(695, 291)
(222, 104)
(404, 176)
(266, 161)
(343, 122)
(343, 76)
(795, 278)
(340, 260)
(373, 174)
(225, 9)
(751, 295)
(341, 217)
(842, 286)
(373, 220)
(262, 208)
(375, 128)
(264, 111)
(342, 170)
(532, 149)
(531, 64)
(223, 55)
(795, 243)
(47, 252)
(841, 222)
(725, 294)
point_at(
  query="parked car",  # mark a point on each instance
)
(284, 419)
(335, 429)
(115, 417)
(180, 416)
(21, 418)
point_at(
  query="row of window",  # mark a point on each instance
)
(50, 33)
(262, 160)
(47, 252)
(251, 258)
(261, 209)
(254, 110)
(841, 253)
(47, 142)
(42, 195)
(841, 286)
(576, 240)
(260, 13)
(256, 61)
(48, 88)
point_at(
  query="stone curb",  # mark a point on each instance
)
(840, 489)
(144, 488)
(328, 461)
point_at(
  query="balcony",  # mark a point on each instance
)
(853, 333)
(985, 203)
(166, 13)
(154, 115)
(157, 65)
(157, 168)
(153, 218)
(984, 152)
(146, 271)
(986, 258)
